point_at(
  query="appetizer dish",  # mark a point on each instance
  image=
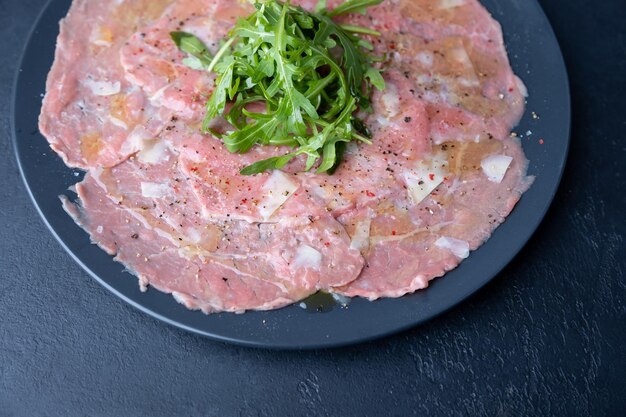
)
(244, 155)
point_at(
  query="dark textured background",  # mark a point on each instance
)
(546, 337)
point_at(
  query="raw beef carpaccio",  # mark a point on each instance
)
(168, 201)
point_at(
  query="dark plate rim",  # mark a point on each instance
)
(321, 344)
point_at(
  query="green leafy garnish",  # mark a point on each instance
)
(305, 74)
(200, 57)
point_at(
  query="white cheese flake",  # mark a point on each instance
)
(495, 166)
(450, 4)
(460, 55)
(425, 178)
(458, 247)
(307, 257)
(154, 190)
(153, 152)
(361, 238)
(277, 189)
(101, 36)
(103, 88)
(391, 101)
(101, 42)
(135, 140)
(119, 123)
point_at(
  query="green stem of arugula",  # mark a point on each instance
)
(321, 85)
(267, 97)
(360, 29)
(281, 27)
(354, 135)
(219, 54)
(352, 6)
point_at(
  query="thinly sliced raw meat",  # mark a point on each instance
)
(197, 283)
(168, 201)
(153, 62)
(298, 254)
(90, 114)
(402, 254)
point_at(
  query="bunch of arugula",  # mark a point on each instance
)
(309, 72)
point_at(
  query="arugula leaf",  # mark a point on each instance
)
(275, 162)
(374, 77)
(340, 149)
(217, 101)
(263, 129)
(192, 45)
(353, 6)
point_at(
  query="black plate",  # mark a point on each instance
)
(535, 57)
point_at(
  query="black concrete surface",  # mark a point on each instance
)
(546, 338)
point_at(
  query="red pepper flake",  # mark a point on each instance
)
(541, 141)
(432, 177)
(510, 89)
(244, 200)
(227, 182)
(369, 193)
(393, 233)
(327, 244)
(193, 169)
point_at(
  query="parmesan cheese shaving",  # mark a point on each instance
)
(450, 4)
(153, 152)
(424, 179)
(307, 257)
(278, 188)
(154, 190)
(361, 238)
(458, 247)
(495, 166)
(119, 123)
(103, 88)
(391, 101)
